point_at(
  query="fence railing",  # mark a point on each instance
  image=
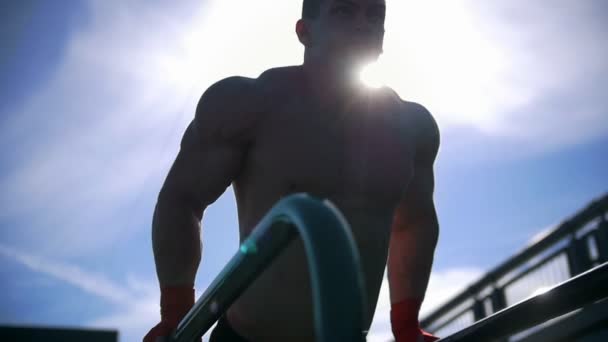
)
(333, 259)
(584, 289)
(575, 246)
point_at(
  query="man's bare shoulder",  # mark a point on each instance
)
(419, 121)
(280, 79)
(223, 92)
(252, 88)
(422, 117)
(232, 107)
(228, 109)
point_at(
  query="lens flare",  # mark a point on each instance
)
(372, 75)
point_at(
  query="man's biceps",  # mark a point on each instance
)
(421, 183)
(183, 173)
(418, 198)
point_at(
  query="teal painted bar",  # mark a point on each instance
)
(336, 279)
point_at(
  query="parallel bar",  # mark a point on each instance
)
(541, 263)
(333, 260)
(570, 295)
(593, 210)
(453, 317)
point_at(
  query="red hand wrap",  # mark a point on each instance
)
(404, 321)
(175, 302)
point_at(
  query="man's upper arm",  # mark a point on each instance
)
(214, 145)
(416, 206)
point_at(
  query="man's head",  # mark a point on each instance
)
(343, 33)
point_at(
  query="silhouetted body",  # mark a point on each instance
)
(313, 129)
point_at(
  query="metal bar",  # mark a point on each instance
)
(570, 295)
(333, 260)
(498, 299)
(593, 210)
(497, 295)
(544, 261)
(479, 311)
(578, 258)
(451, 319)
(602, 239)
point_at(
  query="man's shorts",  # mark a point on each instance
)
(223, 332)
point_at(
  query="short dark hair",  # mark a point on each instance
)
(311, 9)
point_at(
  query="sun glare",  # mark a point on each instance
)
(372, 75)
(433, 54)
(540, 291)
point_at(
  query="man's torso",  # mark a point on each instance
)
(359, 156)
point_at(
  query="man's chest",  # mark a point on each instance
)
(356, 155)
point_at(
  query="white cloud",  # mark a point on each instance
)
(541, 234)
(135, 303)
(518, 70)
(120, 100)
(95, 284)
(115, 128)
(443, 285)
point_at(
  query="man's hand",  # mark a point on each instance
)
(426, 337)
(159, 333)
(405, 324)
(175, 302)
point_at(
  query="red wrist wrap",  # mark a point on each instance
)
(175, 302)
(404, 319)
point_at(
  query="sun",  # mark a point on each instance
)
(434, 53)
(372, 75)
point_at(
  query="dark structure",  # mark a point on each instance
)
(34, 334)
(576, 246)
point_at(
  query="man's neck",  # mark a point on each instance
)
(331, 86)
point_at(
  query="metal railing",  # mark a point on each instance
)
(333, 259)
(575, 246)
(570, 295)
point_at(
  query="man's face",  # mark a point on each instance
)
(348, 32)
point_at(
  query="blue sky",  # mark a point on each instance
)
(96, 95)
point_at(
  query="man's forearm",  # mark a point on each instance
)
(176, 242)
(410, 261)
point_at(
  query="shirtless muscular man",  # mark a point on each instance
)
(310, 128)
